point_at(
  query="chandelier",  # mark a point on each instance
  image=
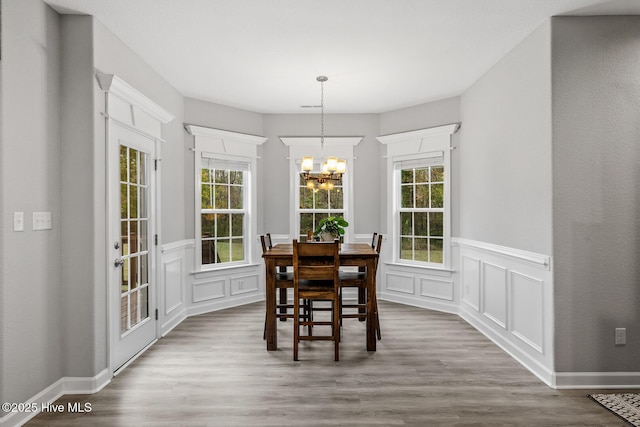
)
(332, 168)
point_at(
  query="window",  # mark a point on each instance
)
(419, 219)
(223, 211)
(316, 204)
(421, 211)
(225, 198)
(309, 207)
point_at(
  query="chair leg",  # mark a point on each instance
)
(283, 301)
(362, 299)
(336, 329)
(377, 318)
(296, 326)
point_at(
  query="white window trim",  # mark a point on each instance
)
(233, 146)
(299, 147)
(415, 145)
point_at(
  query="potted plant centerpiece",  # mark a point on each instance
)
(331, 228)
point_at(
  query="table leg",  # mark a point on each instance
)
(270, 297)
(371, 292)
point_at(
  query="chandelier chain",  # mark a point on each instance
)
(322, 117)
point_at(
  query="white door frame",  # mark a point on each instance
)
(127, 108)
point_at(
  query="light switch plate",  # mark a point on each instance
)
(18, 221)
(41, 221)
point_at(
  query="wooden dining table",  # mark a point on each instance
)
(351, 254)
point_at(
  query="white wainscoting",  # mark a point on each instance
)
(507, 294)
(421, 287)
(184, 292)
(172, 307)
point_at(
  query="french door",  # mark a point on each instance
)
(131, 216)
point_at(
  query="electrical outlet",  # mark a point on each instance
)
(621, 336)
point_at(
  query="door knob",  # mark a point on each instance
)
(118, 262)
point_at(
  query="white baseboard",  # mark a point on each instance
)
(596, 380)
(65, 385)
(223, 304)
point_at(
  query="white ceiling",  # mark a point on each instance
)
(379, 55)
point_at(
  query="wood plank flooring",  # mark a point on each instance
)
(431, 369)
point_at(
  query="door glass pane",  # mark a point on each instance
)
(144, 303)
(134, 232)
(124, 169)
(134, 273)
(144, 236)
(144, 269)
(125, 277)
(133, 165)
(134, 308)
(124, 313)
(142, 165)
(124, 238)
(124, 201)
(133, 201)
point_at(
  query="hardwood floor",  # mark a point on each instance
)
(431, 369)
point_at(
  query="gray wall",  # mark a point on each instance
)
(32, 345)
(596, 171)
(505, 150)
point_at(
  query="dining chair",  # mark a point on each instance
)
(283, 282)
(315, 278)
(358, 280)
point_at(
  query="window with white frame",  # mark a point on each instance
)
(223, 211)
(316, 204)
(421, 210)
(309, 207)
(419, 218)
(225, 197)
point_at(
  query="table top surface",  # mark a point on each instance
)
(346, 249)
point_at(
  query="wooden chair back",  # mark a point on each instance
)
(316, 261)
(265, 240)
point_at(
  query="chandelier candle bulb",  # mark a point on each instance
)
(332, 164)
(307, 164)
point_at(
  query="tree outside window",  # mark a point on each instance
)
(222, 215)
(421, 214)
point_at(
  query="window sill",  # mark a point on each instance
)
(420, 268)
(223, 269)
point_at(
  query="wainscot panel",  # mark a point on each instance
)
(244, 284)
(208, 289)
(400, 283)
(471, 282)
(507, 295)
(436, 288)
(494, 293)
(173, 283)
(527, 305)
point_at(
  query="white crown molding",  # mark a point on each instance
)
(419, 134)
(329, 141)
(224, 134)
(114, 85)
